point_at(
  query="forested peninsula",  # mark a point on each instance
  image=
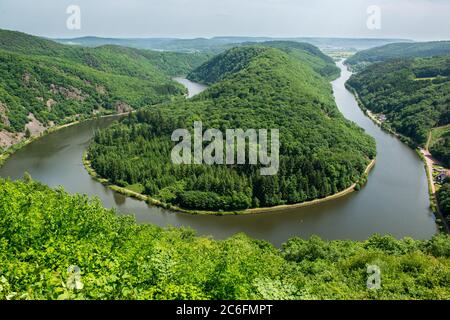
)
(284, 86)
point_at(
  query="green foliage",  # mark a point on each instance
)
(236, 59)
(224, 64)
(256, 87)
(311, 55)
(413, 94)
(43, 232)
(398, 50)
(59, 83)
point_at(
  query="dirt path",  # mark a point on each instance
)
(429, 163)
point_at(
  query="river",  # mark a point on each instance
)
(193, 87)
(394, 201)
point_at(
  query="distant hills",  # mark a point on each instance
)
(398, 50)
(44, 83)
(219, 44)
(409, 85)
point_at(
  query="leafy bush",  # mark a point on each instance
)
(43, 232)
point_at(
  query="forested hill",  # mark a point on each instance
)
(398, 50)
(222, 65)
(413, 94)
(234, 60)
(256, 87)
(112, 58)
(316, 59)
(44, 83)
(44, 232)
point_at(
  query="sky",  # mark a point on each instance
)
(408, 19)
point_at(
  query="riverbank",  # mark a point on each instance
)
(430, 162)
(16, 147)
(374, 119)
(422, 154)
(155, 202)
(340, 194)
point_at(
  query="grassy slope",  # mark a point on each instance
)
(414, 95)
(440, 144)
(438, 133)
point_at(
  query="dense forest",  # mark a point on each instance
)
(413, 95)
(44, 232)
(257, 87)
(218, 68)
(398, 51)
(443, 196)
(57, 83)
(109, 58)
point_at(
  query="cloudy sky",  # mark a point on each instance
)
(412, 19)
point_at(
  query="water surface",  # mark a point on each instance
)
(193, 87)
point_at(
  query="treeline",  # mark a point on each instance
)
(235, 59)
(321, 152)
(45, 233)
(225, 64)
(54, 90)
(362, 59)
(58, 83)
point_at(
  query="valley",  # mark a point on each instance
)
(56, 160)
(88, 183)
